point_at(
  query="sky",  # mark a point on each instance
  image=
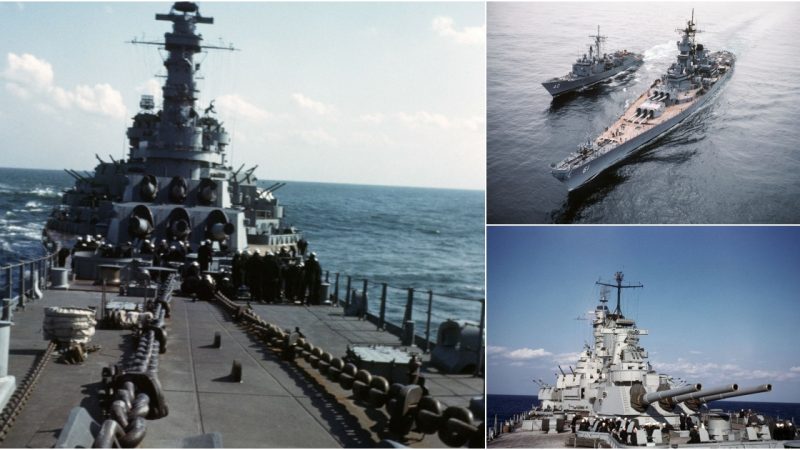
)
(364, 93)
(721, 304)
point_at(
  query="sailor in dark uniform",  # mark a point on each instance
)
(302, 245)
(254, 276)
(694, 436)
(313, 278)
(204, 255)
(237, 268)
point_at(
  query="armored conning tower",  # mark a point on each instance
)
(614, 379)
(176, 184)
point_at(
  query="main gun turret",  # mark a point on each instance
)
(640, 400)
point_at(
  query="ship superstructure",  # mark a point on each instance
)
(176, 183)
(613, 377)
(594, 68)
(686, 86)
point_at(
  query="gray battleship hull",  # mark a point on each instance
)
(578, 176)
(559, 86)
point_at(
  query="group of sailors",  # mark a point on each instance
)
(619, 428)
(784, 430)
(781, 430)
(278, 277)
(269, 277)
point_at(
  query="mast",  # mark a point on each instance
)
(619, 287)
(179, 129)
(597, 40)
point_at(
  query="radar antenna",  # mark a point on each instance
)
(597, 40)
(619, 287)
(690, 29)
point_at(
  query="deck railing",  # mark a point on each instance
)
(399, 310)
(18, 279)
(396, 308)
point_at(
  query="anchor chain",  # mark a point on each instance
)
(134, 388)
(20, 397)
(407, 405)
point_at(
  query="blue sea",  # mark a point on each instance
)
(428, 239)
(505, 406)
(735, 161)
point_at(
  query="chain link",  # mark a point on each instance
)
(407, 405)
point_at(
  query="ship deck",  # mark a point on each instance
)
(278, 404)
(628, 126)
(539, 439)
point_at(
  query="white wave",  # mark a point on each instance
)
(45, 192)
(33, 204)
(31, 232)
(661, 52)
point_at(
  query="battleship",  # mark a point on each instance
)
(615, 398)
(688, 84)
(595, 68)
(158, 319)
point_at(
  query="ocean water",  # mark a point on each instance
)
(735, 161)
(505, 406)
(429, 239)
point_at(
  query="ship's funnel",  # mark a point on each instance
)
(640, 399)
(740, 392)
(706, 392)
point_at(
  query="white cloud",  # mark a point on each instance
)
(723, 372)
(318, 137)
(424, 118)
(313, 105)
(495, 350)
(566, 358)
(527, 353)
(695, 352)
(234, 104)
(445, 27)
(375, 118)
(29, 77)
(518, 354)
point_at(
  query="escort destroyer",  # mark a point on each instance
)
(688, 84)
(157, 333)
(614, 397)
(595, 68)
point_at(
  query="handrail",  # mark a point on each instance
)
(26, 269)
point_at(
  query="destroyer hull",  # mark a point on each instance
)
(558, 87)
(576, 177)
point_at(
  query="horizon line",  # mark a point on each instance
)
(483, 189)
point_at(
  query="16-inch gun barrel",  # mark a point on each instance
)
(659, 395)
(740, 392)
(706, 392)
